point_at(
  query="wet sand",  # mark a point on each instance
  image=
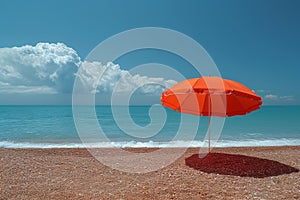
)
(228, 173)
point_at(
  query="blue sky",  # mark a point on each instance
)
(254, 42)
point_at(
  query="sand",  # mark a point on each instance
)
(229, 173)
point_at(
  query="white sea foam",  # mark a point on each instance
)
(152, 144)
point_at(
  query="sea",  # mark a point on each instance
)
(54, 127)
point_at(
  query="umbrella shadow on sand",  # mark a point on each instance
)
(238, 165)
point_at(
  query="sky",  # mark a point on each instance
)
(43, 43)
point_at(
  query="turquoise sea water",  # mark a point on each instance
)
(53, 126)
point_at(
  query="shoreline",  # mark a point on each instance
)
(230, 173)
(129, 147)
(151, 144)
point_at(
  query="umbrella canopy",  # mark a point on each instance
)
(211, 96)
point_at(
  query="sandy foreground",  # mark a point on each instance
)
(229, 173)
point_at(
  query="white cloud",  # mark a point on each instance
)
(49, 68)
(5, 88)
(271, 97)
(44, 68)
(279, 99)
(113, 78)
(287, 98)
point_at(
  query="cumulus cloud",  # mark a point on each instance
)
(114, 79)
(51, 68)
(44, 68)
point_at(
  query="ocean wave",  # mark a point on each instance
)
(153, 144)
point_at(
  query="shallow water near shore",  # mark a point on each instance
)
(54, 127)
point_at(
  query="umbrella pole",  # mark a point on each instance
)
(209, 104)
(209, 135)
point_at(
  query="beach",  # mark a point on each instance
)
(229, 173)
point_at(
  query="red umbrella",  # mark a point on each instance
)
(211, 96)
